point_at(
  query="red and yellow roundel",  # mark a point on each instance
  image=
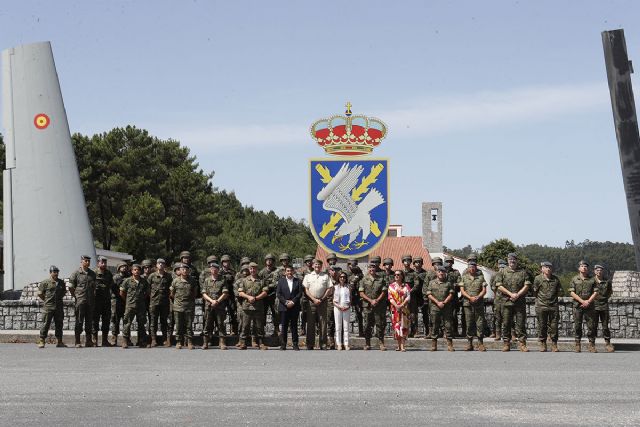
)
(41, 121)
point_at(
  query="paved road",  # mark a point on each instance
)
(167, 386)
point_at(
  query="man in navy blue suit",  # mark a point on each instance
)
(288, 293)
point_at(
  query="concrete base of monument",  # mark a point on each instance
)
(565, 344)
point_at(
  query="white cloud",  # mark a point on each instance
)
(461, 112)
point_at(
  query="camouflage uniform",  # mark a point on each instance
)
(117, 305)
(584, 288)
(601, 306)
(214, 289)
(135, 307)
(231, 302)
(354, 276)
(269, 277)
(546, 292)
(440, 290)
(52, 292)
(184, 302)
(513, 281)
(102, 310)
(304, 301)
(473, 285)
(455, 278)
(84, 285)
(498, 304)
(252, 312)
(373, 287)
(159, 306)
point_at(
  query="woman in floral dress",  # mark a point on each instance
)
(399, 298)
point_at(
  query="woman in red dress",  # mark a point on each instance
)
(399, 298)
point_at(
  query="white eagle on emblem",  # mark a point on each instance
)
(337, 198)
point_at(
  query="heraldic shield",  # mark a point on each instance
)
(349, 204)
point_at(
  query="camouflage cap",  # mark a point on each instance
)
(472, 262)
(376, 259)
(418, 259)
(225, 257)
(185, 254)
(245, 260)
(121, 264)
(502, 262)
(512, 255)
(387, 261)
(308, 258)
(213, 264)
(85, 257)
(472, 256)
(448, 258)
(597, 266)
(102, 258)
(269, 256)
(583, 262)
(161, 261)
(441, 268)
(53, 268)
(546, 264)
(138, 266)
(212, 258)
(436, 260)
(284, 256)
(352, 261)
(147, 263)
(253, 264)
(331, 256)
(177, 265)
(407, 257)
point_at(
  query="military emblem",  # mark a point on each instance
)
(349, 194)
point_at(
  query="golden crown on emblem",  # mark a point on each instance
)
(348, 135)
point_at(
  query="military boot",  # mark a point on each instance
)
(609, 346)
(60, 343)
(241, 345)
(481, 346)
(105, 341)
(498, 336)
(592, 347)
(223, 345)
(254, 343)
(78, 345)
(522, 346)
(125, 343)
(189, 344)
(263, 346)
(205, 343)
(167, 341)
(367, 344)
(382, 346)
(40, 343)
(88, 342)
(450, 345)
(543, 346)
(469, 346)
(506, 346)
(178, 343)
(434, 345)
(94, 338)
(554, 347)
(578, 348)
(114, 340)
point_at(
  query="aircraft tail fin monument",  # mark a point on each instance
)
(45, 215)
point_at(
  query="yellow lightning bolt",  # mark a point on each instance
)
(357, 192)
(324, 173)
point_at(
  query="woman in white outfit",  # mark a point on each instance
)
(341, 312)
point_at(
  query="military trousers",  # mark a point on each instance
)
(57, 316)
(602, 316)
(102, 314)
(588, 315)
(183, 325)
(331, 321)
(159, 312)
(547, 318)
(475, 320)
(117, 313)
(232, 310)
(440, 317)
(457, 309)
(356, 306)
(415, 307)
(517, 313)
(271, 306)
(249, 317)
(317, 314)
(304, 310)
(497, 316)
(375, 317)
(139, 313)
(215, 317)
(84, 318)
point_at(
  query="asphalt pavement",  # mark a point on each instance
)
(161, 386)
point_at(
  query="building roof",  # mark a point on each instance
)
(394, 248)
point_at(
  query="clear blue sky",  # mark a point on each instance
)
(498, 109)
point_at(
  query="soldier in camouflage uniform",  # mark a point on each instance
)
(159, 283)
(373, 292)
(354, 276)
(332, 270)
(194, 275)
(304, 301)
(203, 275)
(455, 278)
(117, 305)
(421, 307)
(584, 291)
(411, 278)
(387, 270)
(473, 289)
(252, 291)
(214, 295)
(147, 269)
(241, 274)
(601, 305)
(183, 293)
(546, 290)
(102, 310)
(82, 285)
(498, 303)
(52, 291)
(514, 282)
(229, 278)
(270, 279)
(134, 292)
(431, 275)
(376, 260)
(439, 293)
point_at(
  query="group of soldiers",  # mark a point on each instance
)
(151, 294)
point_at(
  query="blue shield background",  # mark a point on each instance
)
(320, 216)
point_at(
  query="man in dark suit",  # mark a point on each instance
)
(288, 293)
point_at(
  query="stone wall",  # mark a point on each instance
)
(626, 284)
(26, 314)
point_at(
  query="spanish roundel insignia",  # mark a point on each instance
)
(41, 121)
